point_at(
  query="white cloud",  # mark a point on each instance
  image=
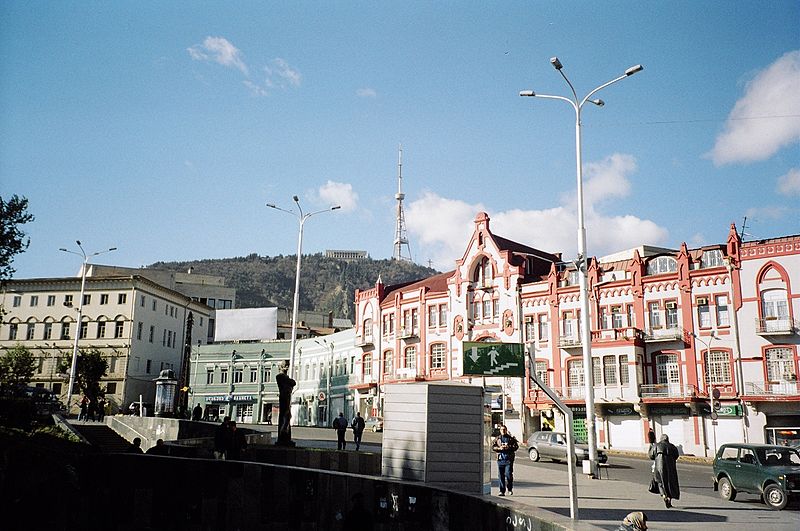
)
(750, 135)
(767, 212)
(255, 90)
(441, 226)
(219, 50)
(366, 92)
(341, 194)
(285, 74)
(789, 184)
(608, 178)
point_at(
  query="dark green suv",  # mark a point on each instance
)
(773, 472)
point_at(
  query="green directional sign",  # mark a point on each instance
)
(493, 359)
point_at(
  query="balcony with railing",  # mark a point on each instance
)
(570, 334)
(776, 326)
(672, 390)
(781, 389)
(665, 333)
(364, 338)
(602, 393)
(623, 334)
(408, 333)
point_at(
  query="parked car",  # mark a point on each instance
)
(553, 445)
(374, 423)
(772, 472)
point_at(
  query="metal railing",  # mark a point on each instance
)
(785, 388)
(673, 333)
(775, 325)
(667, 390)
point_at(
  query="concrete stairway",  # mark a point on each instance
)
(102, 437)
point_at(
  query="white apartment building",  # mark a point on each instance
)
(139, 326)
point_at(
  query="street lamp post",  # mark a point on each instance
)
(302, 217)
(328, 381)
(582, 260)
(84, 267)
(713, 392)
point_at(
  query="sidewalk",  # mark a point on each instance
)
(604, 503)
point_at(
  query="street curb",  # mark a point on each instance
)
(643, 455)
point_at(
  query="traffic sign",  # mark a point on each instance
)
(493, 359)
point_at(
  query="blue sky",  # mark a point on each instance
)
(163, 128)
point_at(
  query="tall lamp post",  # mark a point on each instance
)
(582, 261)
(328, 380)
(84, 267)
(302, 217)
(713, 392)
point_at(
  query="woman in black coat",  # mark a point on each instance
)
(665, 455)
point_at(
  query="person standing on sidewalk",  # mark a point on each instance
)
(358, 429)
(506, 446)
(665, 455)
(340, 425)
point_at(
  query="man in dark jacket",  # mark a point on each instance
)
(358, 429)
(665, 455)
(222, 439)
(340, 424)
(505, 445)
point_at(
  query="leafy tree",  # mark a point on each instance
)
(13, 213)
(90, 369)
(16, 369)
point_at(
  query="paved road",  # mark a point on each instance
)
(603, 503)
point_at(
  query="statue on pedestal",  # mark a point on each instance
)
(285, 386)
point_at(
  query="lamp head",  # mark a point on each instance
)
(527, 93)
(270, 205)
(556, 63)
(295, 199)
(598, 102)
(78, 242)
(632, 70)
(337, 207)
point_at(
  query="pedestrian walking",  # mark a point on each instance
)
(636, 521)
(506, 446)
(135, 447)
(221, 439)
(236, 442)
(159, 449)
(84, 405)
(340, 425)
(197, 412)
(665, 473)
(101, 409)
(358, 429)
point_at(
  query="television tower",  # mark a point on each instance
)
(400, 237)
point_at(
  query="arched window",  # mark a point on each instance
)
(780, 365)
(438, 356)
(718, 368)
(410, 361)
(387, 362)
(482, 275)
(662, 264)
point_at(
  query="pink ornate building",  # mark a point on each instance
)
(669, 329)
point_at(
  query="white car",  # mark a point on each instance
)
(374, 424)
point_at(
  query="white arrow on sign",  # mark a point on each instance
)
(474, 356)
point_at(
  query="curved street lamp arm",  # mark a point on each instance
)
(604, 85)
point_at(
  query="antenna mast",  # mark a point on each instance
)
(400, 237)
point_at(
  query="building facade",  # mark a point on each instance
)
(138, 326)
(670, 330)
(237, 379)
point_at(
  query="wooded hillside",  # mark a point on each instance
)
(326, 284)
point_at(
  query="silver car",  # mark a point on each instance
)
(374, 424)
(553, 445)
